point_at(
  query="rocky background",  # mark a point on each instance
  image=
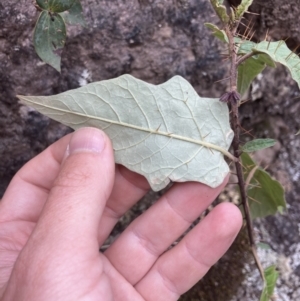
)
(153, 42)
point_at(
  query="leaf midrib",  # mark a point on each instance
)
(150, 131)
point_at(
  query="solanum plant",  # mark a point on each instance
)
(50, 29)
(167, 132)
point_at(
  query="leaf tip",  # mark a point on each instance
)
(57, 68)
(21, 99)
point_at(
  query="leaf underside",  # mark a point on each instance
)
(157, 131)
(266, 195)
(49, 38)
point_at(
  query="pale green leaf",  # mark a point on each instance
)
(257, 144)
(247, 71)
(49, 38)
(271, 276)
(218, 33)
(220, 10)
(266, 59)
(280, 53)
(242, 8)
(266, 195)
(263, 246)
(298, 133)
(74, 15)
(165, 132)
(55, 6)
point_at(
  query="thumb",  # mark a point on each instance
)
(79, 193)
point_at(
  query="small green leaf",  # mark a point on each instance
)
(220, 10)
(242, 8)
(271, 276)
(217, 32)
(55, 6)
(49, 38)
(266, 195)
(263, 246)
(247, 71)
(298, 133)
(74, 15)
(257, 144)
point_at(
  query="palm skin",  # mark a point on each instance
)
(62, 205)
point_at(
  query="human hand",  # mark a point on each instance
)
(61, 206)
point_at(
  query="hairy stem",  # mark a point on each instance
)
(236, 140)
(244, 58)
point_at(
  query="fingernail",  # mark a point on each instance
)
(87, 140)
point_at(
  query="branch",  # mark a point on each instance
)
(232, 98)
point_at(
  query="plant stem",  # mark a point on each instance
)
(244, 58)
(236, 141)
